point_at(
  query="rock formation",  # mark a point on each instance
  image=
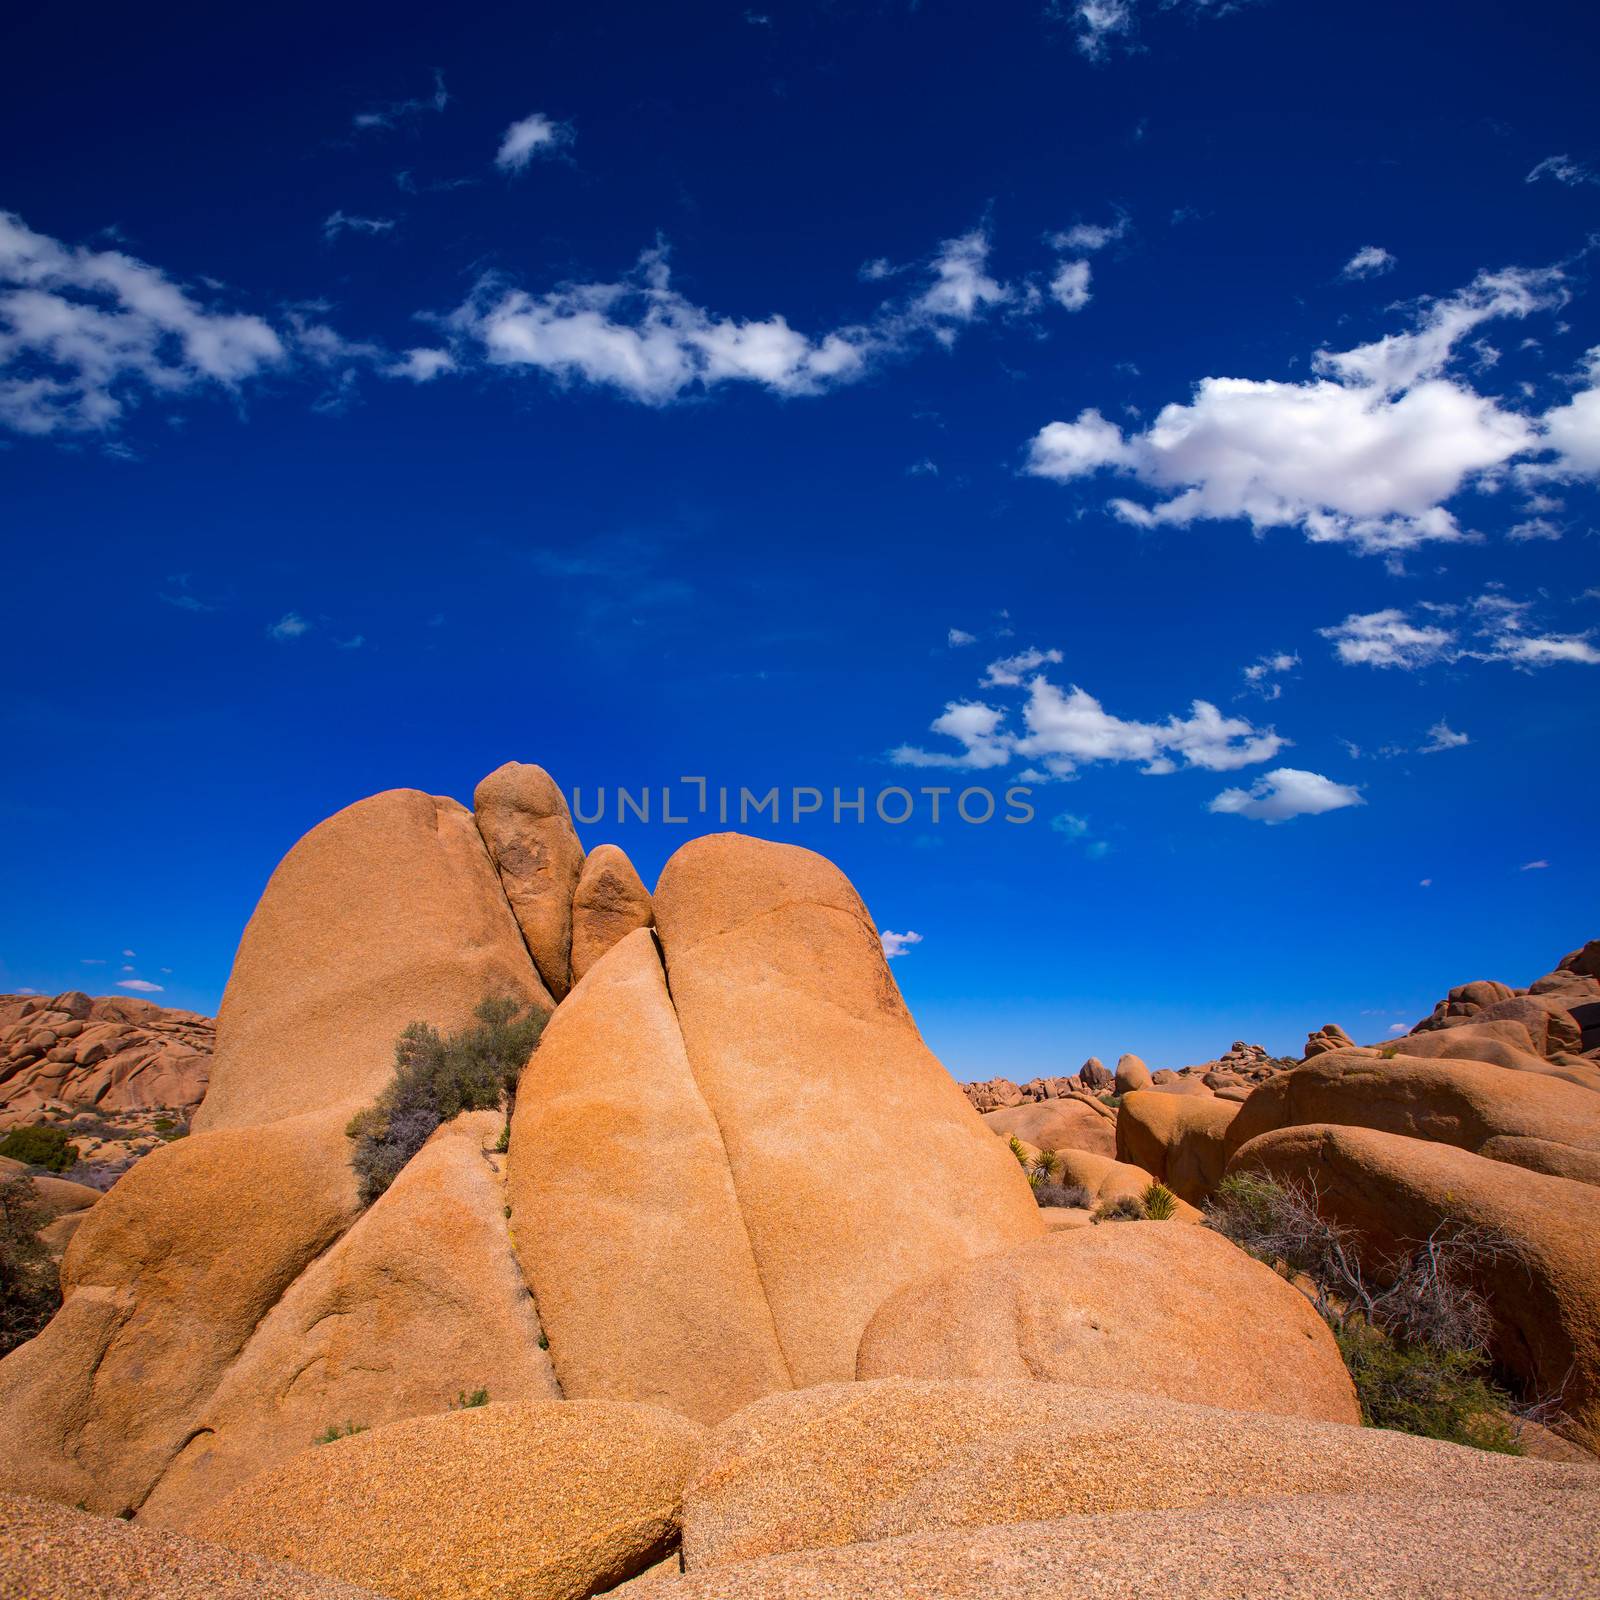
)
(608, 904)
(523, 818)
(114, 1054)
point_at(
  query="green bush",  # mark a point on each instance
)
(40, 1146)
(1440, 1394)
(1160, 1203)
(30, 1290)
(1019, 1150)
(348, 1431)
(436, 1078)
(468, 1401)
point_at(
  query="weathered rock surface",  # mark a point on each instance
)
(1543, 1288)
(1131, 1074)
(50, 1553)
(1530, 1121)
(1330, 1036)
(1502, 1044)
(788, 1014)
(1294, 1547)
(1176, 1138)
(556, 1500)
(626, 1216)
(844, 1463)
(1109, 1300)
(68, 1054)
(523, 818)
(419, 1302)
(1109, 1180)
(1061, 1124)
(608, 904)
(387, 913)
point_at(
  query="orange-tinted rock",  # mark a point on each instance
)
(816, 1074)
(1108, 1300)
(609, 903)
(523, 817)
(1060, 1124)
(625, 1212)
(1131, 1074)
(1543, 1290)
(1176, 1138)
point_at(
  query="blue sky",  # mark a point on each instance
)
(1189, 413)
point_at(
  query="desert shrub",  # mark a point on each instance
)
(435, 1078)
(468, 1400)
(40, 1146)
(1128, 1209)
(1412, 1328)
(1019, 1150)
(1440, 1393)
(1044, 1168)
(1112, 1100)
(348, 1431)
(30, 1290)
(1160, 1203)
(1059, 1194)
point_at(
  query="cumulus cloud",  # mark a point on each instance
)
(421, 365)
(1441, 736)
(86, 333)
(534, 135)
(896, 944)
(1491, 627)
(140, 985)
(1063, 730)
(1370, 261)
(1286, 792)
(1572, 432)
(1365, 454)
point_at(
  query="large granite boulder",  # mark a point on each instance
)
(608, 904)
(1179, 1139)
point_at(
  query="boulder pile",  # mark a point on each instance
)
(741, 1294)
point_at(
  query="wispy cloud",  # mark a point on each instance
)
(959, 636)
(396, 112)
(533, 135)
(1441, 736)
(1492, 627)
(1534, 866)
(1370, 261)
(140, 985)
(1563, 169)
(338, 222)
(291, 625)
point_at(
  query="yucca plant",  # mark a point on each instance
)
(1160, 1203)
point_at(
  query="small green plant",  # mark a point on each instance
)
(469, 1400)
(1112, 1100)
(348, 1431)
(1128, 1208)
(1440, 1394)
(1019, 1150)
(503, 1143)
(507, 1210)
(30, 1289)
(1389, 1052)
(162, 1124)
(40, 1145)
(1160, 1203)
(1044, 1168)
(435, 1078)
(544, 1341)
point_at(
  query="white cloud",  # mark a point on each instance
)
(93, 961)
(341, 222)
(1370, 261)
(421, 365)
(85, 333)
(128, 953)
(1441, 736)
(534, 135)
(926, 468)
(1534, 528)
(1564, 170)
(140, 985)
(1065, 730)
(959, 636)
(1261, 674)
(1090, 236)
(896, 944)
(642, 337)
(1286, 792)
(1100, 23)
(399, 111)
(1009, 671)
(289, 626)
(1494, 628)
(1534, 866)
(1425, 883)
(1572, 431)
(1400, 1027)
(1366, 454)
(1070, 285)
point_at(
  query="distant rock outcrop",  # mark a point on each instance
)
(113, 1054)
